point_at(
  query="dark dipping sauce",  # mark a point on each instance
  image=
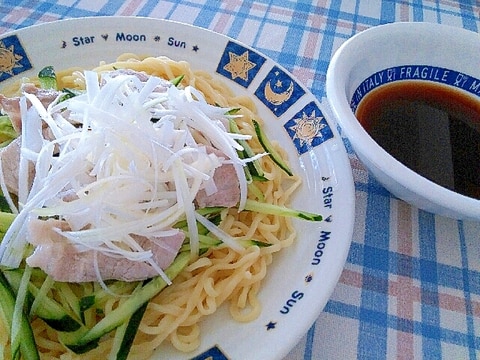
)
(431, 128)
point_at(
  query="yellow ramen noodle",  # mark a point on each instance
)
(221, 276)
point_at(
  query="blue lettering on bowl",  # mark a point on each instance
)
(415, 72)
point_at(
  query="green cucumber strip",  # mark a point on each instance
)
(63, 324)
(252, 242)
(208, 211)
(182, 225)
(6, 220)
(254, 166)
(253, 189)
(27, 346)
(248, 174)
(265, 208)
(7, 135)
(206, 242)
(100, 295)
(232, 111)
(211, 213)
(176, 81)
(69, 93)
(125, 310)
(259, 178)
(47, 78)
(18, 311)
(268, 147)
(70, 299)
(41, 295)
(130, 332)
(47, 309)
(84, 348)
(87, 302)
(117, 341)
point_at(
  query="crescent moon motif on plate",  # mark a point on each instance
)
(278, 98)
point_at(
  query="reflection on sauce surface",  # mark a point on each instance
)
(431, 128)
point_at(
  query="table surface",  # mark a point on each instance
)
(410, 288)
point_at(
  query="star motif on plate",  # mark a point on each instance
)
(156, 38)
(195, 48)
(239, 65)
(309, 278)
(271, 325)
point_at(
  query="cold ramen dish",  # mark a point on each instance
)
(139, 197)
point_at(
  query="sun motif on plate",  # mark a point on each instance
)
(8, 59)
(307, 128)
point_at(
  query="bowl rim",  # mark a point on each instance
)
(441, 200)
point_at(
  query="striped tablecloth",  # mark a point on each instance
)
(411, 285)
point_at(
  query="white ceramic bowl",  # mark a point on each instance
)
(433, 52)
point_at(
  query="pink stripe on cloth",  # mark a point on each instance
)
(404, 229)
(452, 303)
(351, 278)
(131, 8)
(406, 294)
(225, 18)
(16, 16)
(404, 289)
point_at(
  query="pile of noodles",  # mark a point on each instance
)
(220, 276)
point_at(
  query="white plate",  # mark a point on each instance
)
(302, 278)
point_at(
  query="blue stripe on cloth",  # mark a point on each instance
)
(377, 319)
(239, 21)
(207, 14)
(342, 309)
(469, 19)
(261, 22)
(387, 13)
(429, 289)
(416, 268)
(308, 353)
(467, 293)
(293, 38)
(111, 7)
(75, 13)
(372, 340)
(372, 186)
(147, 9)
(326, 48)
(437, 12)
(417, 10)
(172, 10)
(355, 19)
(373, 333)
(405, 325)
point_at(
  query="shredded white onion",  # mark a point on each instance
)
(122, 173)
